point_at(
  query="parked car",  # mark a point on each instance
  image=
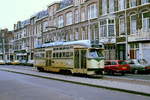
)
(116, 66)
(139, 66)
(2, 62)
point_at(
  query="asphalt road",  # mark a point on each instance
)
(21, 87)
(129, 76)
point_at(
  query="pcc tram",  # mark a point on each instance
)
(76, 57)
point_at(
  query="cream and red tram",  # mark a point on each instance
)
(82, 57)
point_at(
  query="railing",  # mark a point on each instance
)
(141, 35)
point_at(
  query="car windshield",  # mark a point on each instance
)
(95, 53)
(122, 62)
(142, 61)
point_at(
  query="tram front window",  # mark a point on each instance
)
(95, 53)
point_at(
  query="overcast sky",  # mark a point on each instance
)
(12, 11)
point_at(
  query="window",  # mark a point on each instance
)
(107, 27)
(145, 1)
(122, 62)
(103, 28)
(146, 21)
(76, 2)
(133, 24)
(92, 11)
(76, 34)
(121, 4)
(60, 21)
(83, 33)
(82, 14)
(111, 27)
(104, 7)
(111, 5)
(113, 63)
(69, 18)
(94, 53)
(45, 24)
(132, 3)
(122, 26)
(76, 16)
(82, 1)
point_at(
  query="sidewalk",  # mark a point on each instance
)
(142, 88)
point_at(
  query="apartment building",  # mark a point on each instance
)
(21, 40)
(122, 25)
(73, 20)
(6, 38)
(133, 29)
(27, 34)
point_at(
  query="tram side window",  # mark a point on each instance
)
(57, 55)
(63, 54)
(60, 55)
(67, 54)
(71, 54)
(54, 55)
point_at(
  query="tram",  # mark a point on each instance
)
(76, 57)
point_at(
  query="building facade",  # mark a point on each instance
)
(27, 34)
(122, 25)
(6, 45)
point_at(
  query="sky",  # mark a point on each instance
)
(12, 11)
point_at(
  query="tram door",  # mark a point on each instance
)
(48, 58)
(80, 60)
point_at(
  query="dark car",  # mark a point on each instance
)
(116, 66)
(139, 66)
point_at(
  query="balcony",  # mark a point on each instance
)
(106, 40)
(140, 35)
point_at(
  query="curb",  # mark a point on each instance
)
(80, 83)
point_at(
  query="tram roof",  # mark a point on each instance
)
(86, 43)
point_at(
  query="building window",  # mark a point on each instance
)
(83, 33)
(76, 16)
(69, 18)
(104, 7)
(76, 34)
(122, 26)
(45, 25)
(103, 28)
(82, 14)
(111, 6)
(76, 2)
(82, 1)
(146, 21)
(60, 21)
(145, 1)
(133, 24)
(121, 4)
(132, 3)
(92, 11)
(111, 27)
(107, 27)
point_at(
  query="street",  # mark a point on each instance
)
(21, 87)
(128, 76)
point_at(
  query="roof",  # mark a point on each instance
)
(86, 43)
